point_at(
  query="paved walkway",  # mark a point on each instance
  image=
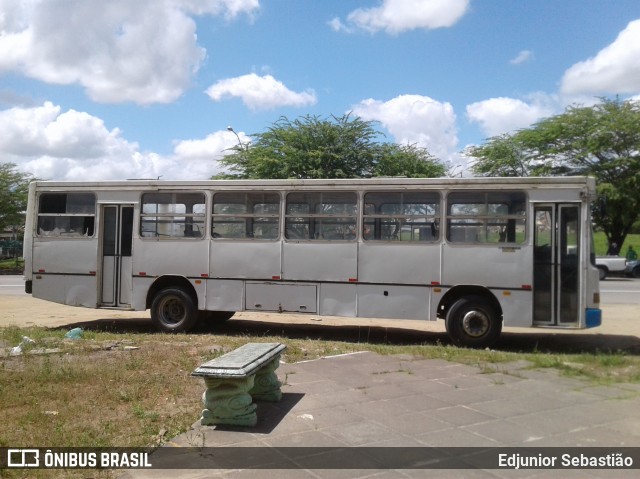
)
(398, 401)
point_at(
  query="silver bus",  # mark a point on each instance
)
(478, 253)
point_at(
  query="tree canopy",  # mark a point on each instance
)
(337, 147)
(14, 186)
(602, 141)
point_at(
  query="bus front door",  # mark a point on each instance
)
(117, 231)
(556, 269)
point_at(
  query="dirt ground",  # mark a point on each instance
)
(620, 329)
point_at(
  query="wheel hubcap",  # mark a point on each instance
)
(173, 310)
(475, 323)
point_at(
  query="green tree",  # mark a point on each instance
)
(411, 161)
(602, 141)
(313, 147)
(503, 155)
(14, 186)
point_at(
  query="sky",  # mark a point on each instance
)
(118, 89)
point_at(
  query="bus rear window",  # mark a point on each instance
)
(66, 215)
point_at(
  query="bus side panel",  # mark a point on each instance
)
(394, 302)
(338, 300)
(140, 289)
(281, 297)
(490, 266)
(65, 256)
(225, 295)
(66, 289)
(383, 262)
(318, 262)
(167, 257)
(245, 259)
(516, 310)
(65, 271)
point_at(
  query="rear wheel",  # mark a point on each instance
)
(173, 310)
(473, 321)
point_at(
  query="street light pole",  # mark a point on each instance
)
(230, 128)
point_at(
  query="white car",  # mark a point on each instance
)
(619, 265)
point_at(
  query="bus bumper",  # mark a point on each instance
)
(593, 317)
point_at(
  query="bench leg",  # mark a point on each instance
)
(227, 401)
(266, 386)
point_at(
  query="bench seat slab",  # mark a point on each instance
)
(236, 379)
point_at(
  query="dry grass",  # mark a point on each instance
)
(127, 390)
(106, 391)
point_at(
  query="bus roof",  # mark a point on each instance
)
(387, 182)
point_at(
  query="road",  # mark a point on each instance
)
(620, 291)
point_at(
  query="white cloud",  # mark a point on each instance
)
(503, 115)
(229, 8)
(260, 92)
(73, 145)
(141, 51)
(397, 16)
(522, 57)
(415, 119)
(213, 146)
(337, 25)
(615, 69)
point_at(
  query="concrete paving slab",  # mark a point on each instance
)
(403, 402)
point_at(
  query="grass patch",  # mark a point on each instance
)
(102, 391)
(11, 266)
(601, 245)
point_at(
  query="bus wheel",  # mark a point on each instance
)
(173, 310)
(473, 321)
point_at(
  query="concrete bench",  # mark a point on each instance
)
(235, 379)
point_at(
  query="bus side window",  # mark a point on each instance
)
(172, 215)
(411, 216)
(486, 217)
(238, 215)
(322, 216)
(66, 215)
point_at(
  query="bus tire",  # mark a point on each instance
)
(173, 310)
(215, 317)
(474, 322)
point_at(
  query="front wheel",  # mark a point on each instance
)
(473, 321)
(173, 310)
